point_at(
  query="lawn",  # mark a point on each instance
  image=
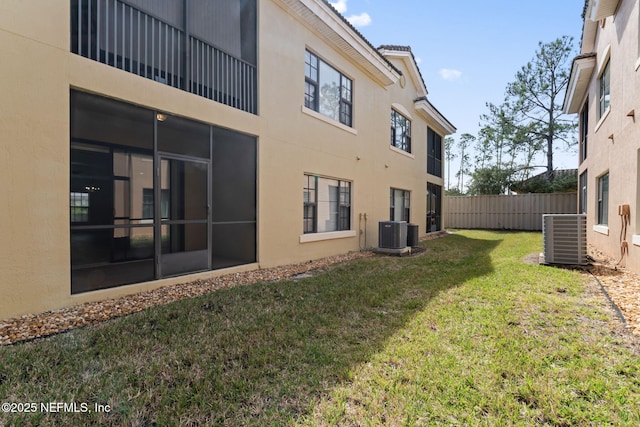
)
(464, 334)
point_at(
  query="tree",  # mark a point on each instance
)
(483, 149)
(464, 143)
(448, 156)
(491, 180)
(537, 97)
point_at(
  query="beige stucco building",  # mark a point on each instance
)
(604, 90)
(151, 142)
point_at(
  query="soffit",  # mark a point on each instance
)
(594, 12)
(581, 71)
(600, 9)
(434, 118)
(323, 19)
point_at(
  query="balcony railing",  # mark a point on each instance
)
(122, 36)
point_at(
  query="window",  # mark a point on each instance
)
(400, 131)
(79, 207)
(148, 206)
(434, 207)
(327, 204)
(434, 153)
(605, 90)
(327, 91)
(400, 205)
(583, 192)
(603, 199)
(584, 130)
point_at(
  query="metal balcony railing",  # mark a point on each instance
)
(118, 34)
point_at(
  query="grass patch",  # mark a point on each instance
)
(466, 334)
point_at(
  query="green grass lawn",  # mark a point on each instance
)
(465, 334)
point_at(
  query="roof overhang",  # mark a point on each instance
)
(321, 18)
(589, 30)
(600, 9)
(434, 118)
(581, 71)
(595, 11)
(414, 72)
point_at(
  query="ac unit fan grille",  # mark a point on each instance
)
(565, 239)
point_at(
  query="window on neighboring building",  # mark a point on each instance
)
(605, 89)
(79, 206)
(400, 131)
(327, 204)
(327, 90)
(434, 153)
(400, 204)
(148, 206)
(584, 130)
(583, 192)
(603, 199)
(434, 207)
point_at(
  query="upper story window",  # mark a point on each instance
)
(604, 84)
(400, 131)
(327, 90)
(584, 130)
(327, 204)
(434, 153)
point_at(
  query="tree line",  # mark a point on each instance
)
(514, 134)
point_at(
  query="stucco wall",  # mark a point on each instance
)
(38, 73)
(613, 139)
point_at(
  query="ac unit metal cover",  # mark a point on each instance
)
(564, 239)
(392, 234)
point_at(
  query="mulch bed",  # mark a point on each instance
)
(33, 326)
(622, 286)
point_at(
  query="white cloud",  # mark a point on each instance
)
(450, 74)
(361, 20)
(340, 5)
(418, 60)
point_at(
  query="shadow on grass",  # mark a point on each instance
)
(253, 355)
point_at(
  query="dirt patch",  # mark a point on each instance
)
(532, 259)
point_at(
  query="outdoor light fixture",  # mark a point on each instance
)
(161, 117)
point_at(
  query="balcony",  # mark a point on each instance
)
(174, 46)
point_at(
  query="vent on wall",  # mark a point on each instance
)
(564, 239)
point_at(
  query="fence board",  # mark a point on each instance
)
(514, 212)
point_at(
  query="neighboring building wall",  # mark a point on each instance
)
(38, 86)
(609, 130)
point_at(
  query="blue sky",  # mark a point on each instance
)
(468, 50)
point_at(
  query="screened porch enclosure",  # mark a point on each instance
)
(154, 195)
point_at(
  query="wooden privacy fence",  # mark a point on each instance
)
(516, 212)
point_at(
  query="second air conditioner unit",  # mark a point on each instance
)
(564, 239)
